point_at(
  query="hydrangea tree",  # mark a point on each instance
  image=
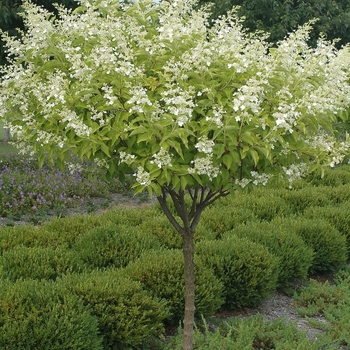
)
(193, 111)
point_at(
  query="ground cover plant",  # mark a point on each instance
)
(26, 188)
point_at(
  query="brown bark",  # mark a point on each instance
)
(186, 226)
(188, 252)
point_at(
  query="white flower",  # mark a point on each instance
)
(260, 178)
(162, 158)
(126, 158)
(242, 182)
(143, 177)
(204, 166)
(204, 145)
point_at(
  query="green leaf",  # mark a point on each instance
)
(227, 159)
(254, 154)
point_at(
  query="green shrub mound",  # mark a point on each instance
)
(39, 263)
(113, 245)
(159, 227)
(70, 228)
(42, 315)
(327, 243)
(294, 256)
(339, 194)
(162, 274)
(248, 334)
(332, 176)
(337, 216)
(301, 199)
(222, 216)
(264, 203)
(29, 236)
(127, 315)
(129, 216)
(247, 270)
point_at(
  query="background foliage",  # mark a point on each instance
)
(280, 17)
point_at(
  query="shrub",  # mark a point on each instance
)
(221, 217)
(70, 228)
(337, 216)
(303, 198)
(294, 257)
(113, 245)
(339, 194)
(328, 244)
(127, 315)
(265, 204)
(247, 270)
(41, 315)
(250, 333)
(27, 235)
(38, 263)
(159, 227)
(162, 274)
(333, 302)
(332, 176)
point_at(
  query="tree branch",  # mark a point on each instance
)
(162, 201)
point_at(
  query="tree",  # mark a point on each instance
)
(195, 113)
(10, 19)
(280, 17)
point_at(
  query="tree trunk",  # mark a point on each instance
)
(6, 135)
(188, 252)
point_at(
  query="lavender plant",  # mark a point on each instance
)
(148, 88)
(26, 188)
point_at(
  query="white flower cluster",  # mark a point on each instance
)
(249, 97)
(143, 177)
(204, 145)
(46, 138)
(162, 158)
(109, 95)
(126, 158)
(73, 121)
(102, 163)
(260, 178)
(204, 166)
(218, 117)
(242, 182)
(74, 167)
(139, 99)
(179, 103)
(295, 171)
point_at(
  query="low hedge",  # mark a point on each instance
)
(301, 199)
(248, 271)
(70, 228)
(162, 274)
(29, 236)
(332, 176)
(39, 263)
(127, 315)
(337, 216)
(295, 257)
(159, 227)
(113, 245)
(327, 243)
(42, 315)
